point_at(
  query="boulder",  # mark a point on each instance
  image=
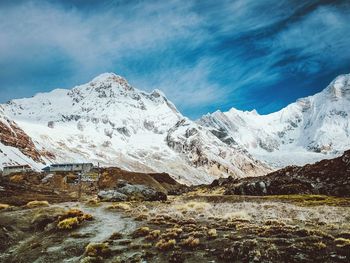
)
(111, 196)
(127, 192)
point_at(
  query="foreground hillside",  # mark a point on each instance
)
(327, 177)
(182, 229)
(124, 216)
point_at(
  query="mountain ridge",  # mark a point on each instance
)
(107, 120)
(314, 127)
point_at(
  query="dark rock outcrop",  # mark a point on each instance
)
(111, 196)
(128, 192)
(328, 177)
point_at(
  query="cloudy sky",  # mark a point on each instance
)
(204, 55)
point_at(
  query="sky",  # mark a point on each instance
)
(205, 55)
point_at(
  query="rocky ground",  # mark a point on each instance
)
(288, 220)
(327, 177)
(20, 188)
(182, 229)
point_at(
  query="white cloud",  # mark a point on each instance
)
(323, 33)
(188, 87)
(36, 34)
(92, 40)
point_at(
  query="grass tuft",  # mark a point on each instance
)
(212, 233)
(34, 204)
(68, 223)
(164, 245)
(4, 206)
(190, 242)
(119, 206)
(141, 232)
(97, 249)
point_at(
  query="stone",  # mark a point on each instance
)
(111, 196)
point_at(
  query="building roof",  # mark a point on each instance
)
(61, 164)
(17, 166)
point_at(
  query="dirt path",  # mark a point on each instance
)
(56, 246)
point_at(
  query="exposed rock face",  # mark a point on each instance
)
(111, 196)
(12, 135)
(329, 177)
(204, 151)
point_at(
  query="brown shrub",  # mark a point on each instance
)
(190, 242)
(17, 178)
(141, 232)
(4, 206)
(153, 235)
(97, 249)
(165, 244)
(34, 204)
(68, 223)
(72, 218)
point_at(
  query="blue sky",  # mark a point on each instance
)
(204, 55)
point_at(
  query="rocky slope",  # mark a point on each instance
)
(16, 147)
(202, 149)
(109, 121)
(311, 129)
(199, 229)
(327, 177)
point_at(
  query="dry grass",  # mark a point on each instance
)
(18, 178)
(71, 213)
(342, 242)
(141, 232)
(72, 218)
(120, 206)
(190, 242)
(212, 233)
(86, 217)
(34, 204)
(254, 211)
(68, 223)
(171, 233)
(4, 206)
(97, 249)
(206, 191)
(312, 200)
(153, 235)
(320, 245)
(93, 202)
(164, 245)
(141, 217)
(193, 206)
(241, 215)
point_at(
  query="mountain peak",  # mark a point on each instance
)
(157, 93)
(107, 76)
(308, 130)
(110, 80)
(340, 86)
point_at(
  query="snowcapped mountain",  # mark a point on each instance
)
(202, 149)
(311, 129)
(109, 121)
